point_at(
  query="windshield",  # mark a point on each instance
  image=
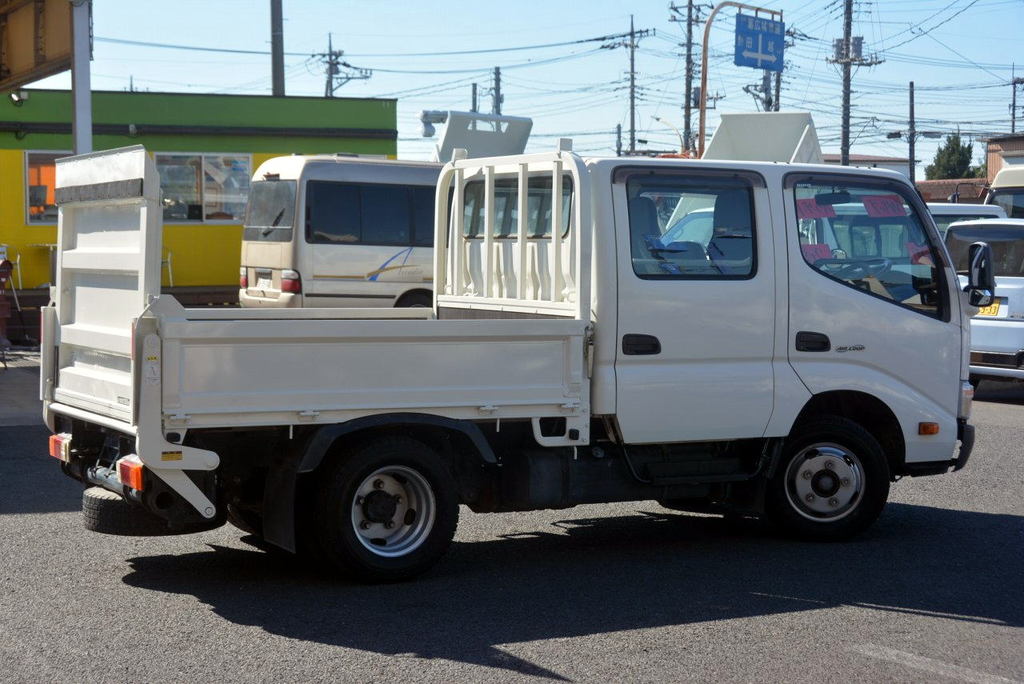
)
(942, 221)
(1011, 200)
(270, 214)
(1007, 244)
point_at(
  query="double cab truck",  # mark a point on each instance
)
(788, 362)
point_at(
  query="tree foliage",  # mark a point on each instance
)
(952, 160)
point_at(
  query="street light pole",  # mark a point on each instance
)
(682, 144)
(704, 62)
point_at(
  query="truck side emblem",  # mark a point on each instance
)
(852, 347)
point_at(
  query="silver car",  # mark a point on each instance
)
(997, 331)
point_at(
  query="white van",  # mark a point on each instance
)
(945, 213)
(997, 330)
(1008, 191)
(328, 231)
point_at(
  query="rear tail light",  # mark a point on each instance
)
(130, 471)
(243, 278)
(291, 282)
(60, 446)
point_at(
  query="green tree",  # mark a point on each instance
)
(952, 160)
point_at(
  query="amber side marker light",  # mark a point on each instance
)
(129, 471)
(927, 428)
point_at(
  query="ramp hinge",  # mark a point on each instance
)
(179, 418)
(309, 415)
(489, 408)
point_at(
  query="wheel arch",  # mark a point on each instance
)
(414, 293)
(460, 442)
(870, 412)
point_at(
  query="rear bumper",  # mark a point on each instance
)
(964, 433)
(285, 300)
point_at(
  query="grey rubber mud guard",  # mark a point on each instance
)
(306, 455)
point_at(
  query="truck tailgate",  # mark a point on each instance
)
(108, 268)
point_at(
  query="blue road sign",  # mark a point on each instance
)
(760, 42)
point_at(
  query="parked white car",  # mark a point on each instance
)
(945, 213)
(997, 330)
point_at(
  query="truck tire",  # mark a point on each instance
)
(831, 483)
(105, 512)
(387, 510)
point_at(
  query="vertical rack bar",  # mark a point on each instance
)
(455, 243)
(556, 231)
(486, 258)
(521, 244)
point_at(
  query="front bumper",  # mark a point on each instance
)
(964, 433)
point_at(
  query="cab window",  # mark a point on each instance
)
(870, 238)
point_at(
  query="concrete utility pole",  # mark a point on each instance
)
(496, 97)
(848, 54)
(276, 48)
(1013, 103)
(473, 108)
(912, 135)
(632, 87)
(618, 140)
(692, 17)
(332, 65)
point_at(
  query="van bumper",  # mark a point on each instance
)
(251, 299)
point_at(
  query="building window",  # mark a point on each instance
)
(40, 177)
(204, 187)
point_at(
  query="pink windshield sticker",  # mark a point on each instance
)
(884, 206)
(810, 209)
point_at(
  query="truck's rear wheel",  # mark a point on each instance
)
(387, 510)
(832, 481)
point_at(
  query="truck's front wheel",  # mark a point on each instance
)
(387, 510)
(832, 481)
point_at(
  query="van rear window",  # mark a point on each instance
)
(369, 214)
(270, 213)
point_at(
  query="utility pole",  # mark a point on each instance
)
(276, 49)
(778, 89)
(848, 54)
(618, 140)
(496, 97)
(473, 108)
(912, 135)
(1013, 103)
(633, 88)
(692, 17)
(332, 65)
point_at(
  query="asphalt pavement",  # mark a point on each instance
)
(933, 592)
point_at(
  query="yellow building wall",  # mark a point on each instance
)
(200, 253)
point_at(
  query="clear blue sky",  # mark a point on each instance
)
(959, 53)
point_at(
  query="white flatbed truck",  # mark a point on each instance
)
(783, 364)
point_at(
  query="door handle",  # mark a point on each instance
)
(812, 342)
(634, 344)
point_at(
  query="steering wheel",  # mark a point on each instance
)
(859, 269)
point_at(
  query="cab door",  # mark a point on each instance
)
(697, 313)
(872, 306)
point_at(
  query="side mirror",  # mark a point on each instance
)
(981, 282)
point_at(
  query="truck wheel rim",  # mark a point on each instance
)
(825, 482)
(393, 511)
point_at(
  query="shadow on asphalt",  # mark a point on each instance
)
(32, 481)
(1000, 392)
(609, 574)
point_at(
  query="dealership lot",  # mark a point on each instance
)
(628, 591)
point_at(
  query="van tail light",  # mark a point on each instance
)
(291, 282)
(243, 278)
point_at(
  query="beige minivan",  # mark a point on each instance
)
(333, 230)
